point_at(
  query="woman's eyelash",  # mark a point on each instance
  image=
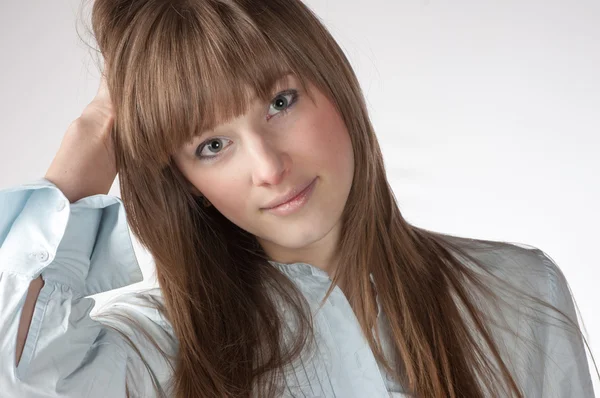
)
(203, 145)
(294, 97)
(287, 93)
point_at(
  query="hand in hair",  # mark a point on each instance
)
(85, 163)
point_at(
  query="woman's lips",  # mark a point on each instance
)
(296, 203)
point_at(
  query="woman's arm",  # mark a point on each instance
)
(79, 249)
(83, 166)
(62, 239)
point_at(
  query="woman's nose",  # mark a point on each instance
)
(269, 164)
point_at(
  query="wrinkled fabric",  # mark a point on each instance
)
(84, 248)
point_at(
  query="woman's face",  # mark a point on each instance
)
(249, 162)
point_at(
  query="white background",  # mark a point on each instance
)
(488, 114)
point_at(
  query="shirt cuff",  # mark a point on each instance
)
(85, 245)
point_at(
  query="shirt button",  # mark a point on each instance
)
(61, 205)
(42, 256)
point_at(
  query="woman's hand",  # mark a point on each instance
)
(85, 162)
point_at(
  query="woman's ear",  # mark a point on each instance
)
(193, 189)
(198, 194)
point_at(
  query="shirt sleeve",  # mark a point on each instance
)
(566, 370)
(80, 249)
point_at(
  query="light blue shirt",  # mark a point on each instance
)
(84, 248)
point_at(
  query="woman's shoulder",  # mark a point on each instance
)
(522, 265)
(143, 307)
(544, 349)
(139, 325)
(146, 302)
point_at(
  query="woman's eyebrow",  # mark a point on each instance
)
(280, 81)
(190, 143)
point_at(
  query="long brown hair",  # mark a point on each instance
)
(176, 68)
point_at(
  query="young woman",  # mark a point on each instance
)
(250, 171)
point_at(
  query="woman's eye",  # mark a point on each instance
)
(282, 102)
(210, 148)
